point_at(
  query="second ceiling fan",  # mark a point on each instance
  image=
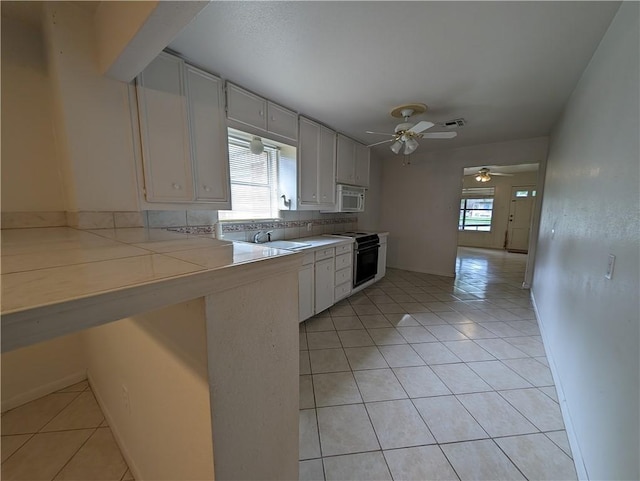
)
(406, 133)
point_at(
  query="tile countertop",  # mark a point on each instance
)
(60, 280)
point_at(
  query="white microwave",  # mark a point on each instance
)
(349, 199)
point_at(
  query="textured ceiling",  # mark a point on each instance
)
(506, 67)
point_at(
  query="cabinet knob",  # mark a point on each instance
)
(176, 186)
(272, 117)
(206, 188)
(260, 113)
(313, 196)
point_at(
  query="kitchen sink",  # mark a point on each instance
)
(280, 244)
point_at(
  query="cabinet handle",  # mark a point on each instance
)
(206, 188)
(176, 186)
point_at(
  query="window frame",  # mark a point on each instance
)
(273, 159)
(475, 194)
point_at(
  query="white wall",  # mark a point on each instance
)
(590, 210)
(420, 202)
(92, 113)
(161, 358)
(501, 205)
(38, 370)
(31, 179)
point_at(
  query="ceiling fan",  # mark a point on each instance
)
(406, 133)
(484, 175)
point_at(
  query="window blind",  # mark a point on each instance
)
(254, 183)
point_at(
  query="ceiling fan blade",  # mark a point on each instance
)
(379, 133)
(498, 173)
(440, 135)
(421, 126)
(381, 142)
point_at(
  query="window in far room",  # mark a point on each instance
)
(254, 182)
(476, 209)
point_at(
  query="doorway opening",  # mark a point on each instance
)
(498, 213)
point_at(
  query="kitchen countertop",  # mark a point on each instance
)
(60, 280)
(319, 242)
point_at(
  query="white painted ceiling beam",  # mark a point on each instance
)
(131, 34)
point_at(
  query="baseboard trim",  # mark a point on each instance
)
(578, 460)
(114, 429)
(43, 390)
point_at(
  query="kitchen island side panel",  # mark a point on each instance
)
(253, 343)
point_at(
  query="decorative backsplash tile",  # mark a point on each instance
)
(282, 229)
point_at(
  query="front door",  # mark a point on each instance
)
(520, 212)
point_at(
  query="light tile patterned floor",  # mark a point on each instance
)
(425, 377)
(62, 436)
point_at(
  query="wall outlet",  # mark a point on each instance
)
(125, 399)
(309, 226)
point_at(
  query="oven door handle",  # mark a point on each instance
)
(368, 248)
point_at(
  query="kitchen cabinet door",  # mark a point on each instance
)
(208, 138)
(162, 109)
(325, 282)
(309, 139)
(345, 160)
(316, 165)
(245, 107)
(327, 166)
(282, 122)
(361, 167)
(306, 287)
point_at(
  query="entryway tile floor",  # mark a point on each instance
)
(423, 377)
(61, 436)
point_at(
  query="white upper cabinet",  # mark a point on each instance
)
(208, 136)
(183, 134)
(251, 110)
(327, 166)
(246, 108)
(308, 162)
(352, 162)
(162, 107)
(316, 165)
(282, 121)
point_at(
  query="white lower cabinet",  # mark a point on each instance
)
(306, 287)
(344, 272)
(324, 277)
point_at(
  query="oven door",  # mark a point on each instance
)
(365, 265)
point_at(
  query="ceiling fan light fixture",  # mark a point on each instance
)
(410, 146)
(479, 177)
(256, 146)
(396, 146)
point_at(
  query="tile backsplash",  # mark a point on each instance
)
(292, 225)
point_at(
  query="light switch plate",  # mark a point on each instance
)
(610, 265)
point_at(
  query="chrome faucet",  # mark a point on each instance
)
(259, 234)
